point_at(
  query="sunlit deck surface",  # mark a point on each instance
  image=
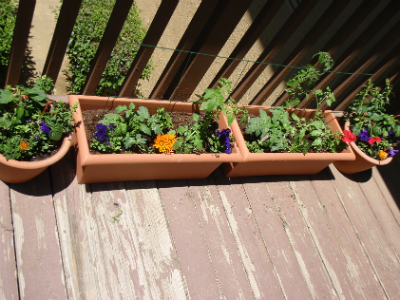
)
(327, 236)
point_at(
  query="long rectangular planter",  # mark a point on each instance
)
(123, 167)
(258, 164)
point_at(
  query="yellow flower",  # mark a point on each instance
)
(23, 145)
(382, 154)
(165, 143)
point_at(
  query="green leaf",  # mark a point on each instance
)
(231, 117)
(198, 143)
(316, 133)
(376, 131)
(143, 113)
(295, 117)
(145, 129)
(6, 97)
(195, 117)
(5, 122)
(120, 108)
(181, 129)
(131, 106)
(55, 135)
(317, 142)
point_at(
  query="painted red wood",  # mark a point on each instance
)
(252, 246)
(39, 261)
(292, 275)
(349, 271)
(371, 235)
(8, 271)
(219, 240)
(193, 254)
(380, 209)
(307, 243)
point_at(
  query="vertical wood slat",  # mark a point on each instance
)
(153, 36)
(114, 26)
(368, 59)
(385, 64)
(8, 271)
(186, 43)
(262, 20)
(215, 34)
(354, 49)
(280, 38)
(20, 41)
(342, 34)
(318, 29)
(62, 33)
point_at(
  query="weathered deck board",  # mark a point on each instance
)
(309, 251)
(193, 253)
(272, 230)
(219, 239)
(255, 257)
(39, 263)
(8, 271)
(371, 235)
(346, 271)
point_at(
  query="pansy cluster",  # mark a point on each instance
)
(225, 139)
(101, 133)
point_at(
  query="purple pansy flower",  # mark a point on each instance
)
(101, 132)
(391, 134)
(224, 138)
(364, 135)
(392, 152)
(44, 127)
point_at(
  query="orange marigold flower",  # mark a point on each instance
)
(165, 143)
(23, 145)
(382, 155)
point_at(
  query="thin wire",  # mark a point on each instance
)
(183, 73)
(237, 81)
(251, 61)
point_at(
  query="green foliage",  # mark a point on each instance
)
(30, 123)
(277, 131)
(302, 84)
(45, 84)
(367, 115)
(85, 39)
(8, 15)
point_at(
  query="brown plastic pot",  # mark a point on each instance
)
(13, 171)
(259, 164)
(362, 162)
(123, 167)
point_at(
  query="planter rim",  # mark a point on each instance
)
(109, 159)
(30, 165)
(345, 155)
(365, 156)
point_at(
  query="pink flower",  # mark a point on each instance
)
(348, 136)
(371, 140)
(378, 139)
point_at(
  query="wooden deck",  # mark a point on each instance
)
(327, 236)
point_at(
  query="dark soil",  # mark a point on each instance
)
(92, 117)
(43, 156)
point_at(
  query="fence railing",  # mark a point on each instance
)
(209, 30)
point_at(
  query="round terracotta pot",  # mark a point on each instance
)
(363, 161)
(13, 171)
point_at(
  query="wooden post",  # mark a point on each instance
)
(20, 41)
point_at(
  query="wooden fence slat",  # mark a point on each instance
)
(371, 235)
(383, 65)
(251, 245)
(192, 251)
(8, 271)
(220, 241)
(39, 261)
(262, 20)
(292, 275)
(20, 41)
(62, 33)
(110, 36)
(212, 39)
(359, 43)
(152, 37)
(274, 46)
(351, 271)
(294, 58)
(341, 224)
(177, 60)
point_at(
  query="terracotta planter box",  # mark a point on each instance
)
(123, 167)
(258, 164)
(13, 171)
(362, 162)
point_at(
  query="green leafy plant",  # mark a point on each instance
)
(283, 129)
(374, 131)
(31, 123)
(8, 15)
(46, 84)
(303, 82)
(86, 36)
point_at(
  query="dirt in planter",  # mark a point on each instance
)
(92, 117)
